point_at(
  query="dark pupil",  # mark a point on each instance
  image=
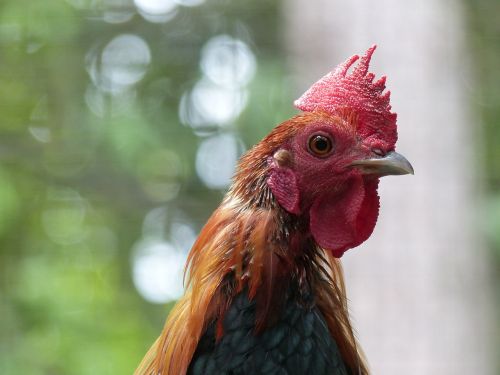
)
(321, 143)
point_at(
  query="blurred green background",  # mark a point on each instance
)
(120, 123)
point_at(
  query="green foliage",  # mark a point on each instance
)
(484, 38)
(484, 41)
(81, 167)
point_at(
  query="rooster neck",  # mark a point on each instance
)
(271, 255)
(253, 247)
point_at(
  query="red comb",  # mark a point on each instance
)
(355, 92)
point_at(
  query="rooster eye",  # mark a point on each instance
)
(320, 145)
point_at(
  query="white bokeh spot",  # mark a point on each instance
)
(216, 160)
(158, 268)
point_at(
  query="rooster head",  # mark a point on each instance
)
(325, 163)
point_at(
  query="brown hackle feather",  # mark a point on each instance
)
(250, 242)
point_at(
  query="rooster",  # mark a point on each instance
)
(265, 291)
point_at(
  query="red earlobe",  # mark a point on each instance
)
(283, 184)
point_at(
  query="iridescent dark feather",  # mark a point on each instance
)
(298, 343)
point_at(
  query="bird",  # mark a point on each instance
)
(264, 285)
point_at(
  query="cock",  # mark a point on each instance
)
(265, 291)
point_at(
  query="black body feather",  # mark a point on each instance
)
(299, 343)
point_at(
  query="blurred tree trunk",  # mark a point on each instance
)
(420, 290)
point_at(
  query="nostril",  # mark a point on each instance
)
(378, 151)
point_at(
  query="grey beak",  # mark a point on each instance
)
(390, 164)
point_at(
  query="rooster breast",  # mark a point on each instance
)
(298, 343)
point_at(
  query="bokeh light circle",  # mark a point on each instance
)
(216, 160)
(228, 62)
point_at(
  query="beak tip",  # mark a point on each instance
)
(410, 169)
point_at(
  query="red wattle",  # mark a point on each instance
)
(342, 220)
